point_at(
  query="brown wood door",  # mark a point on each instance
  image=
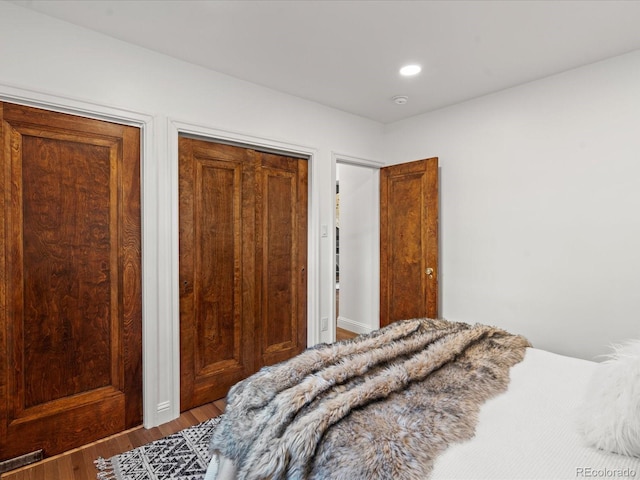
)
(281, 277)
(216, 269)
(70, 283)
(242, 264)
(409, 241)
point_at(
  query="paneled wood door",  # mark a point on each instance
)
(281, 250)
(70, 283)
(243, 247)
(409, 241)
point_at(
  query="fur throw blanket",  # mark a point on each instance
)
(380, 406)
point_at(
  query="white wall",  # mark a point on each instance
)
(359, 248)
(49, 62)
(540, 205)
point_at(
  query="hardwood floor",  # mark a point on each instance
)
(78, 464)
(342, 334)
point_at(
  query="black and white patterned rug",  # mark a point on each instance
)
(181, 456)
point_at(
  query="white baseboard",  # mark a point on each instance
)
(165, 413)
(353, 325)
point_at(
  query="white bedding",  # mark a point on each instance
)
(529, 432)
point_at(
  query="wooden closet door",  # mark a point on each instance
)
(409, 241)
(217, 269)
(281, 276)
(243, 252)
(70, 282)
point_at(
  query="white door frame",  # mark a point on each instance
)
(177, 127)
(359, 162)
(152, 247)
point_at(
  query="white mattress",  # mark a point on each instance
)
(529, 432)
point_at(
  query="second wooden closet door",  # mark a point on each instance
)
(243, 255)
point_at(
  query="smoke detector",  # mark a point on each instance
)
(400, 99)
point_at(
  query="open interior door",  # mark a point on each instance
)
(409, 241)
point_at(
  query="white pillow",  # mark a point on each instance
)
(610, 418)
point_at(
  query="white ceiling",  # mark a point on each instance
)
(346, 54)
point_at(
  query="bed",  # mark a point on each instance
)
(528, 425)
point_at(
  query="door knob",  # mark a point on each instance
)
(429, 272)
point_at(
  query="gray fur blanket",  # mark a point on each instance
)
(380, 406)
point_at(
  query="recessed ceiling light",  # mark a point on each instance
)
(410, 70)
